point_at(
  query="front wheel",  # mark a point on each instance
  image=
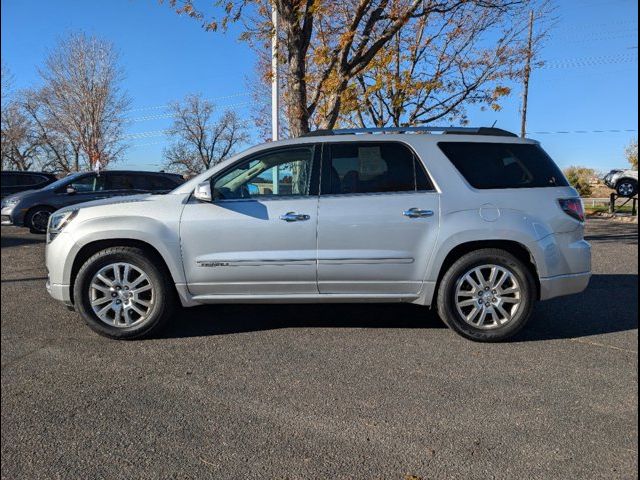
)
(627, 188)
(37, 219)
(487, 295)
(122, 293)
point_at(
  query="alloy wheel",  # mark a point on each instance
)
(488, 296)
(121, 295)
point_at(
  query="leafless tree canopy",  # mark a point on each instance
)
(20, 143)
(75, 118)
(81, 102)
(200, 141)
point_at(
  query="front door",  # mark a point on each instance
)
(378, 219)
(258, 235)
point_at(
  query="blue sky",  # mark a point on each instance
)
(590, 82)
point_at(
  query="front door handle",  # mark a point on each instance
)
(294, 217)
(418, 213)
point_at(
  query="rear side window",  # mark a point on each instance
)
(123, 181)
(504, 165)
(157, 182)
(373, 168)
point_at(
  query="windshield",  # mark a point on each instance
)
(64, 180)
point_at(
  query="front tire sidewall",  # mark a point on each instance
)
(163, 301)
(446, 295)
(32, 214)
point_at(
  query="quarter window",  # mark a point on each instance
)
(281, 173)
(373, 168)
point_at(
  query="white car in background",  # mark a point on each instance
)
(624, 182)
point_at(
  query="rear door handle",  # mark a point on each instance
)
(418, 213)
(294, 217)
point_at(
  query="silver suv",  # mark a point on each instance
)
(475, 223)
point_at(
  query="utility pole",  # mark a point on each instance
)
(275, 86)
(527, 75)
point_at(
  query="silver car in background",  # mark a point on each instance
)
(476, 223)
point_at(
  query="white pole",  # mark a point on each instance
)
(275, 92)
(275, 87)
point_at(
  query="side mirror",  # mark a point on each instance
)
(203, 192)
(71, 190)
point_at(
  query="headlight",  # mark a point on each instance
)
(58, 221)
(9, 202)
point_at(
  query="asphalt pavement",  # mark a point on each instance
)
(323, 391)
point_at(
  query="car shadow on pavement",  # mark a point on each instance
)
(610, 304)
(232, 318)
(8, 241)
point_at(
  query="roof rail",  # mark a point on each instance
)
(498, 132)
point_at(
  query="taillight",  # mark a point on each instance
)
(573, 207)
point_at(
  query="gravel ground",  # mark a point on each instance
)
(323, 391)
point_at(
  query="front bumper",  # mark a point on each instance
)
(59, 292)
(11, 216)
(562, 285)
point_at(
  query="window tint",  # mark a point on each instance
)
(89, 183)
(281, 173)
(9, 179)
(30, 180)
(157, 182)
(122, 181)
(373, 168)
(504, 165)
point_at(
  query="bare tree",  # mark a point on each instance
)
(20, 143)
(60, 148)
(6, 82)
(201, 141)
(81, 102)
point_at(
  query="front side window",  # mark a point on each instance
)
(87, 184)
(281, 173)
(373, 168)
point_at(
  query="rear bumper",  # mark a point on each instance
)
(563, 285)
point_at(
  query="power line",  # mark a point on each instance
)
(160, 116)
(160, 107)
(562, 132)
(591, 61)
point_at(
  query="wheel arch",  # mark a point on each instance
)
(91, 248)
(517, 249)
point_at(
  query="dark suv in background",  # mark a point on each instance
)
(14, 182)
(32, 208)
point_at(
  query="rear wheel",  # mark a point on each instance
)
(627, 188)
(122, 293)
(37, 219)
(487, 295)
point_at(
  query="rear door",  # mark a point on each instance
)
(378, 219)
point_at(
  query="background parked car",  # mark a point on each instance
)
(32, 208)
(14, 182)
(624, 182)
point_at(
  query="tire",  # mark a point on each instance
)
(37, 219)
(160, 299)
(507, 312)
(627, 188)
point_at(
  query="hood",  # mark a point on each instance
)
(112, 201)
